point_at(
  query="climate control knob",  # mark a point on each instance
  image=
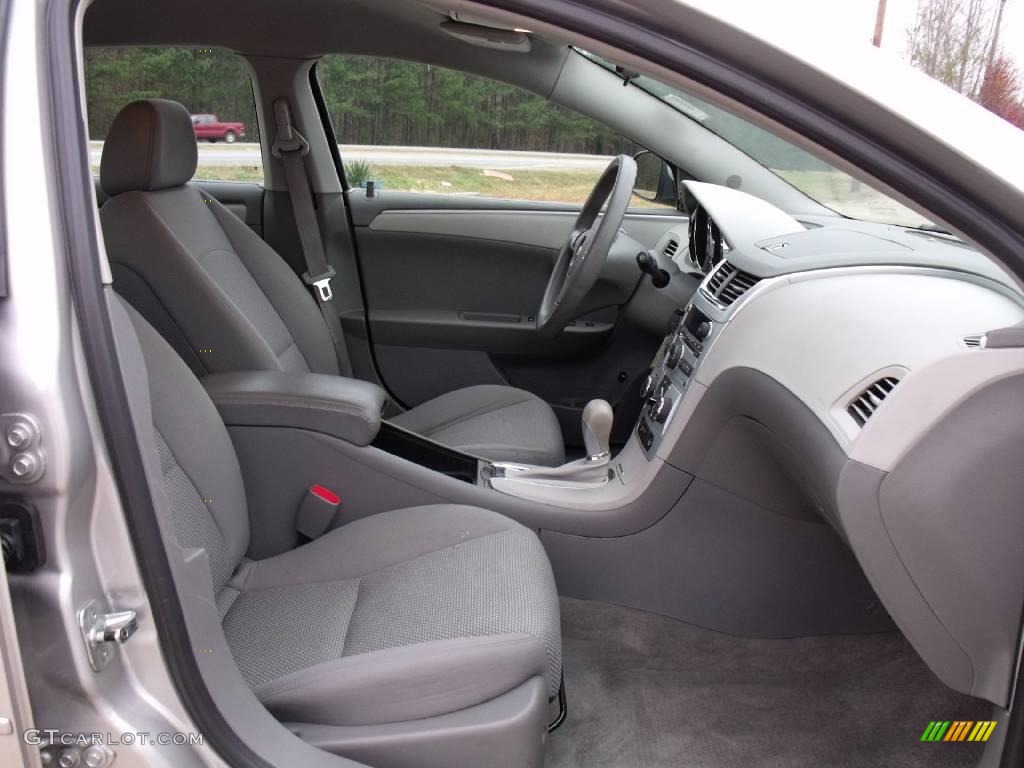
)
(703, 330)
(649, 387)
(675, 354)
(662, 408)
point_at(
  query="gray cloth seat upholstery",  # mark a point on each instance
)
(404, 615)
(226, 301)
(488, 420)
(411, 613)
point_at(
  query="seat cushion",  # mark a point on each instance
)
(495, 422)
(407, 614)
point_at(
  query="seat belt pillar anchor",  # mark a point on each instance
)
(322, 283)
(287, 138)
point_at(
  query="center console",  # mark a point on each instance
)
(604, 482)
(672, 371)
(326, 430)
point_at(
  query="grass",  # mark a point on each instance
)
(358, 172)
(253, 173)
(250, 173)
(553, 186)
(835, 190)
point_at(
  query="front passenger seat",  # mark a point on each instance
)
(374, 635)
(226, 301)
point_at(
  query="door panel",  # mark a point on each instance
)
(490, 218)
(511, 335)
(423, 270)
(451, 287)
(544, 229)
(426, 290)
(244, 199)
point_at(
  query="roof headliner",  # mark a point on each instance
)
(405, 29)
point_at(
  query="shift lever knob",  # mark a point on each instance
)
(597, 427)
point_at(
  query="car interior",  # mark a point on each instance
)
(451, 479)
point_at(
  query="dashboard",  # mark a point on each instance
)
(829, 311)
(872, 359)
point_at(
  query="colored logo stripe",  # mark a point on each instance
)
(958, 730)
(935, 731)
(982, 730)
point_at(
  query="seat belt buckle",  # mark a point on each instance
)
(317, 511)
(322, 283)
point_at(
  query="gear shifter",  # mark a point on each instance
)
(597, 428)
(586, 472)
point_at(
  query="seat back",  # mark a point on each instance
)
(221, 296)
(201, 474)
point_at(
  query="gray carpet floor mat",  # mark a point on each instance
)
(645, 691)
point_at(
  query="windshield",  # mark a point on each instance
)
(817, 179)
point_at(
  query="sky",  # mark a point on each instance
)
(853, 21)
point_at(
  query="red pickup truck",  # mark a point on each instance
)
(209, 128)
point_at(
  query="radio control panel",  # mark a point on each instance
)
(671, 372)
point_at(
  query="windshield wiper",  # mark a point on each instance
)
(934, 228)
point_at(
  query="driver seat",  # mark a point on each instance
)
(226, 301)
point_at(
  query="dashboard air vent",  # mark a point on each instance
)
(718, 277)
(975, 341)
(670, 248)
(867, 402)
(727, 284)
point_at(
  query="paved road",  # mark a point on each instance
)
(249, 154)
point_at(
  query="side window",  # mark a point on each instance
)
(214, 86)
(421, 128)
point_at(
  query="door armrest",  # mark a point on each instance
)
(348, 409)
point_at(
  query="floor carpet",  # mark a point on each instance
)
(645, 691)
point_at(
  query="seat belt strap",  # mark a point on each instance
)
(291, 148)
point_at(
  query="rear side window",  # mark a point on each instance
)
(212, 84)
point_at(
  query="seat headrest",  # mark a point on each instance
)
(150, 146)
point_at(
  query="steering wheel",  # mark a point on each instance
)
(581, 259)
